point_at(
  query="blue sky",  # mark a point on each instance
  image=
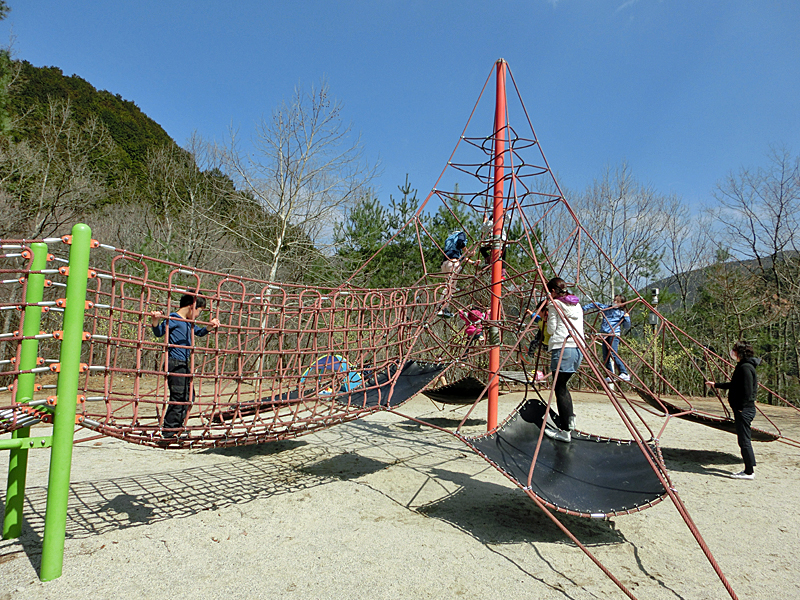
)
(684, 91)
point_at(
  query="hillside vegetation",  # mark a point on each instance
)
(134, 133)
(71, 153)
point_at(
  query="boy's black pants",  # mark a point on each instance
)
(180, 396)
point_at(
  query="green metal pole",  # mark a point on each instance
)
(18, 459)
(55, 520)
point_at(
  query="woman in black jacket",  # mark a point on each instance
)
(742, 389)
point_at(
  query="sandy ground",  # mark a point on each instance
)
(383, 508)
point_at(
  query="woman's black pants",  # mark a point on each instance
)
(563, 399)
(742, 420)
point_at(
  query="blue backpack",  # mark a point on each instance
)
(455, 244)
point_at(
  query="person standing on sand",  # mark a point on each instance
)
(742, 391)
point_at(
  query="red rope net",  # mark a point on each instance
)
(290, 359)
(259, 376)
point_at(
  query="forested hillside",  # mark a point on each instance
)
(73, 153)
(133, 132)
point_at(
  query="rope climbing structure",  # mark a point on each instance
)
(285, 361)
(77, 346)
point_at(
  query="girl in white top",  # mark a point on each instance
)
(565, 357)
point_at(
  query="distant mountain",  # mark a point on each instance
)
(693, 281)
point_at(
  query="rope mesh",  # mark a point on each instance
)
(251, 377)
(290, 359)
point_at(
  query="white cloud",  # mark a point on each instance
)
(626, 4)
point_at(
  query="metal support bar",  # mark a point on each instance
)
(26, 443)
(497, 232)
(55, 521)
(18, 457)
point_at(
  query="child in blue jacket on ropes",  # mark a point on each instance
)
(614, 318)
(453, 249)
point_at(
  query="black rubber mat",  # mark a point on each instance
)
(714, 421)
(378, 391)
(412, 378)
(464, 391)
(587, 476)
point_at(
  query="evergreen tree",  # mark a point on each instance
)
(392, 233)
(363, 231)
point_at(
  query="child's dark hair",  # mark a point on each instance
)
(557, 287)
(189, 299)
(621, 298)
(743, 350)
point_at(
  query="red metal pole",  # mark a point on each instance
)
(497, 231)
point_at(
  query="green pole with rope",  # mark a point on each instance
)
(18, 456)
(55, 522)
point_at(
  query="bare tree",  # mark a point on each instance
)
(759, 214)
(688, 247)
(625, 219)
(305, 170)
(49, 181)
(18, 171)
(192, 207)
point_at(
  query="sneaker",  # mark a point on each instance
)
(563, 436)
(624, 377)
(445, 314)
(742, 475)
(558, 434)
(571, 423)
(608, 379)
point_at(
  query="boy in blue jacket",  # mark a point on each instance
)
(613, 318)
(182, 331)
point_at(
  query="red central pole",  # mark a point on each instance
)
(497, 242)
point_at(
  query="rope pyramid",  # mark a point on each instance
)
(246, 373)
